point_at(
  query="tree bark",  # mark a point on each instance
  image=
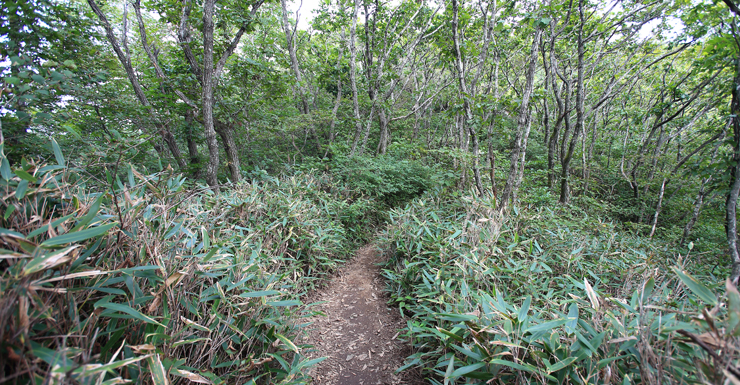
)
(522, 133)
(468, 120)
(208, 100)
(192, 146)
(353, 78)
(226, 132)
(580, 95)
(732, 195)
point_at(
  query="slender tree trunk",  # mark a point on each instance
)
(353, 78)
(523, 155)
(226, 132)
(301, 88)
(658, 207)
(698, 204)
(337, 101)
(192, 146)
(522, 133)
(731, 202)
(489, 139)
(208, 100)
(464, 92)
(588, 157)
(703, 192)
(384, 133)
(580, 95)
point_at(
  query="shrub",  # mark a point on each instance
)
(146, 281)
(550, 297)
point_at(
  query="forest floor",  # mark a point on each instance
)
(359, 333)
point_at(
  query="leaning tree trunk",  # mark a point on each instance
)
(698, 204)
(162, 129)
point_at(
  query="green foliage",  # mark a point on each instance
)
(393, 181)
(150, 282)
(543, 296)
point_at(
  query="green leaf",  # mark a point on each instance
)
(456, 317)
(284, 303)
(570, 326)
(524, 309)
(467, 369)
(606, 361)
(561, 364)
(309, 363)
(159, 374)
(450, 367)
(450, 334)
(20, 191)
(9, 212)
(128, 310)
(25, 176)
(546, 326)
(697, 287)
(287, 342)
(254, 294)
(4, 166)
(45, 228)
(57, 152)
(526, 367)
(78, 236)
(648, 290)
(91, 213)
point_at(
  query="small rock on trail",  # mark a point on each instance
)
(359, 334)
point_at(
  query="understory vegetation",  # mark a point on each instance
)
(554, 296)
(143, 278)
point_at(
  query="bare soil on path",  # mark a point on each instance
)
(359, 333)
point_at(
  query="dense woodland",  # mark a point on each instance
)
(554, 185)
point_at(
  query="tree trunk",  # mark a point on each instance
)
(337, 101)
(208, 100)
(658, 207)
(468, 120)
(192, 146)
(353, 78)
(580, 95)
(226, 132)
(698, 204)
(522, 132)
(384, 133)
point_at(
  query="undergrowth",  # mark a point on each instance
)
(146, 281)
(553, 296)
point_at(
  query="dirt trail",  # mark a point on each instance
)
(359, 334)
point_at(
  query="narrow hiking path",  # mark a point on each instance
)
(359, 334)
